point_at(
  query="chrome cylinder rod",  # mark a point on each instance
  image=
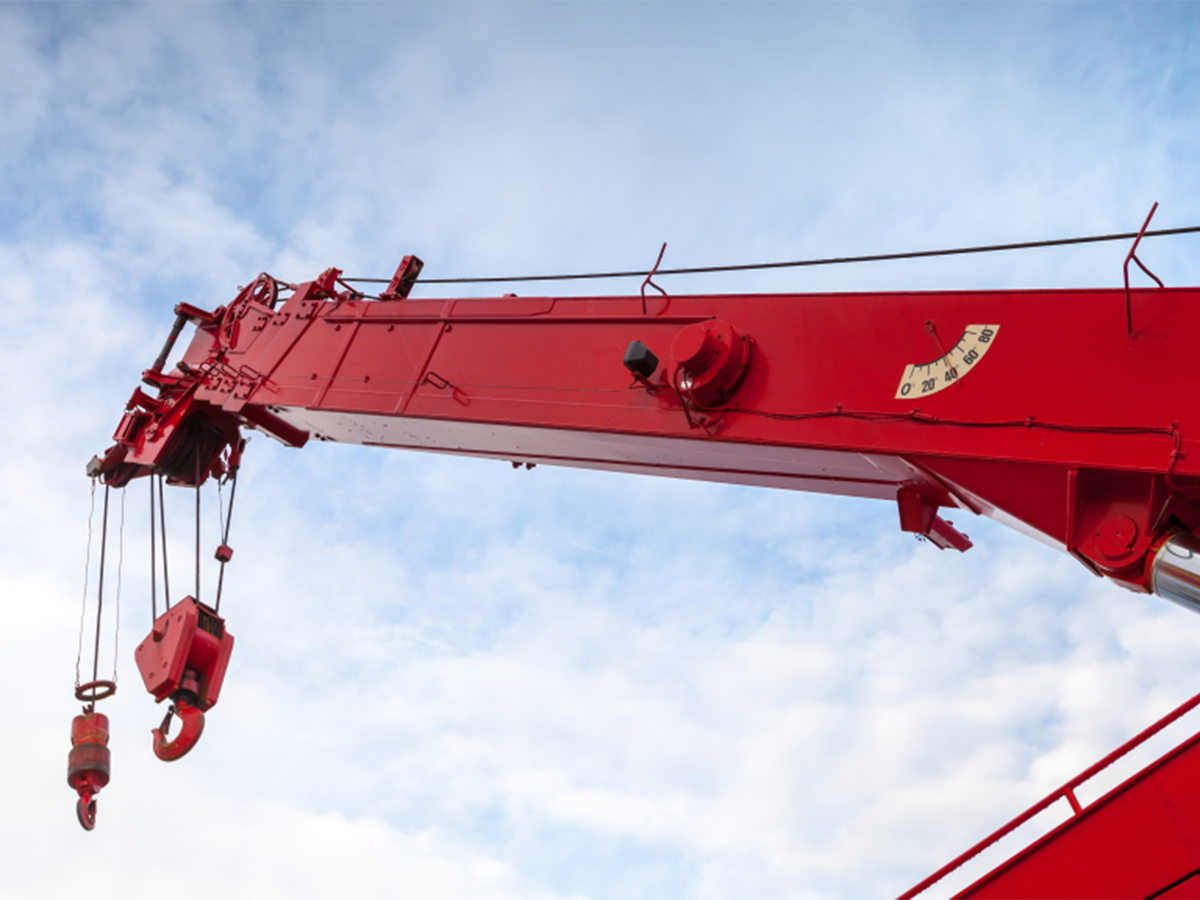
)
(1175, 573)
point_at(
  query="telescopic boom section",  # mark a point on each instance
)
(1036, 408)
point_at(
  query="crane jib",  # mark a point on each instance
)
(1042, 409)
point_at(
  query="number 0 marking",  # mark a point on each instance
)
(923, 379)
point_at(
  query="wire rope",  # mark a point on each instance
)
(100, 592)
(801, 263)
(225, 541)
(87, 569)
(220, 506)
(120, 569)
(197, 523)
(162, 523)
(153, 559)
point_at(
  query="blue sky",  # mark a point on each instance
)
(456, 680)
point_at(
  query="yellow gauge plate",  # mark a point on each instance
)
(923, 379)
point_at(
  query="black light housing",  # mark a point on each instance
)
(640, 360)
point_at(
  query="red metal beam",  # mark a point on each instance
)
(1036, 408)
(1071, 861)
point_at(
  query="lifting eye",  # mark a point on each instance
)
(640, 360)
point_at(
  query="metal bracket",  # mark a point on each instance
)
(649, 278)
(1133, 256)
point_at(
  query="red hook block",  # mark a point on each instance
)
(184, 658)
(90, 763)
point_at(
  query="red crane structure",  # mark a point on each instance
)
(1060, 413)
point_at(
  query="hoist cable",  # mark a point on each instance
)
(153, 560)
(120, 569)
(197, 523)
(87, 569)
(225, 540)
(801, 263)
(162, 524)
(100, 592)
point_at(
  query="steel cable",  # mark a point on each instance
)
(87, 569)
(801, 263)
(153, 558)
(120, 569)
(162, 523)
(100, 592)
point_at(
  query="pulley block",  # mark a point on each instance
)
(184, 659)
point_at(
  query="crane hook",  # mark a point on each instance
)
(191, 727)
(90, 762)
(184, 658)
(85, 810)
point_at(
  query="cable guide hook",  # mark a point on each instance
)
(1133, 256)
(650, 278)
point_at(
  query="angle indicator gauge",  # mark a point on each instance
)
(922, 379)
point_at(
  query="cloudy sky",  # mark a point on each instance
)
(453, 680)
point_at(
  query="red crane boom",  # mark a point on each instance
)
(1061, 413)
(1035, 408)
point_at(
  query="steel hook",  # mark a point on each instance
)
(85, 809)
(191, 727)
(90, 762)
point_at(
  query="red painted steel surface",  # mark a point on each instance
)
(1140, 840)
(1067, 851)
(188, 648)
(1033, 407)
(1188, 889)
